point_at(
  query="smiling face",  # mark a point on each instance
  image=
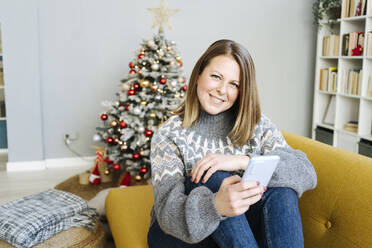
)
(218, 85)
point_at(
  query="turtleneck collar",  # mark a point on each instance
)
(215, 126)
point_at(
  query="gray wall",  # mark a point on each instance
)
(63, 58)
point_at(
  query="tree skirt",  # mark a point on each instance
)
(87, 192)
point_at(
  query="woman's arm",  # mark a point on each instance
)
(294, 169)
(190, 218)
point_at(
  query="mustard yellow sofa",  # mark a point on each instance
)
(337, 214)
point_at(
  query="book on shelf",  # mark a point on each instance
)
(356, 39)
(328, 79)
(351, 81)
(354, 8)
(369, 89)
(330, 113)
(345, 45)
(369, 44)
(352, 41)
(2, 109)
(1, 77)
(331, 45)
(351, 126)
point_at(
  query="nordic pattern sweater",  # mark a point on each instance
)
(174, 151)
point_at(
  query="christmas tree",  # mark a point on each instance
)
(154, 86)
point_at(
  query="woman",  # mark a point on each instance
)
(198, 154)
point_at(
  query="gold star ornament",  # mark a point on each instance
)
(162, 15)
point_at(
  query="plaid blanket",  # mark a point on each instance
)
(33, 219)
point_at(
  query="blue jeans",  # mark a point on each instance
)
(274, 221)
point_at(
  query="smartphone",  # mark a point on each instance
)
(261, 169)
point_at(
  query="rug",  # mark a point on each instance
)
(87, 192)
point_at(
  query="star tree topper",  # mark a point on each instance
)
(162, 15)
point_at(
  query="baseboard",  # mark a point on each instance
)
(25, 166)
(67, 162)
(50, 163)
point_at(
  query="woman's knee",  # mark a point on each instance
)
(213, 183)
(283, 195)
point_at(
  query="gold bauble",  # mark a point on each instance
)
(124, 147)
(106, 171)
(154, 87)
(138, 177)
(142, 152)
(178, 58)
(169, 48)
(152, 115)
(144, 83)
(143, 103)
(113, 123)
(147, 138)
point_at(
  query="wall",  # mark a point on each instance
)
(20, 36)
(63, 58)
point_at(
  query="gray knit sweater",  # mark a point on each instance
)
(175, 150)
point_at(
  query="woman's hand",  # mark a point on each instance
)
(215, 162)
(235, 196)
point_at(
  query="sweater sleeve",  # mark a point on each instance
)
(190, 218)
(294, 169)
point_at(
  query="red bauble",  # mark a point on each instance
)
(132, 71)
(180, 63)
(148, 133)
(123, 124)
(140, 56)
(163, 81)
(116, 167)
(127, 108)
(131, 92)
(136, 86)
(103, 117)
(126, 180)
(184, 88)
(107, 160)
(110, 140)
(130, 65)
(357, 51)
(136, 156)
(143, 170)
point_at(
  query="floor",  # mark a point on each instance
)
(14, 185)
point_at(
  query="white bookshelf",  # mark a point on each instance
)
(3, 150)
(348, 107)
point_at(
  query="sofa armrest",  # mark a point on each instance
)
(128, 213)
(338, 212)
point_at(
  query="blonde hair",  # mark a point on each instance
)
(248, 110)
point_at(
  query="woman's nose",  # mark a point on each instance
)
(221, 88)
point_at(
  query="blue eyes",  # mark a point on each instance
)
(217, 77)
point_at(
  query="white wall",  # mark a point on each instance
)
(83, 47)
